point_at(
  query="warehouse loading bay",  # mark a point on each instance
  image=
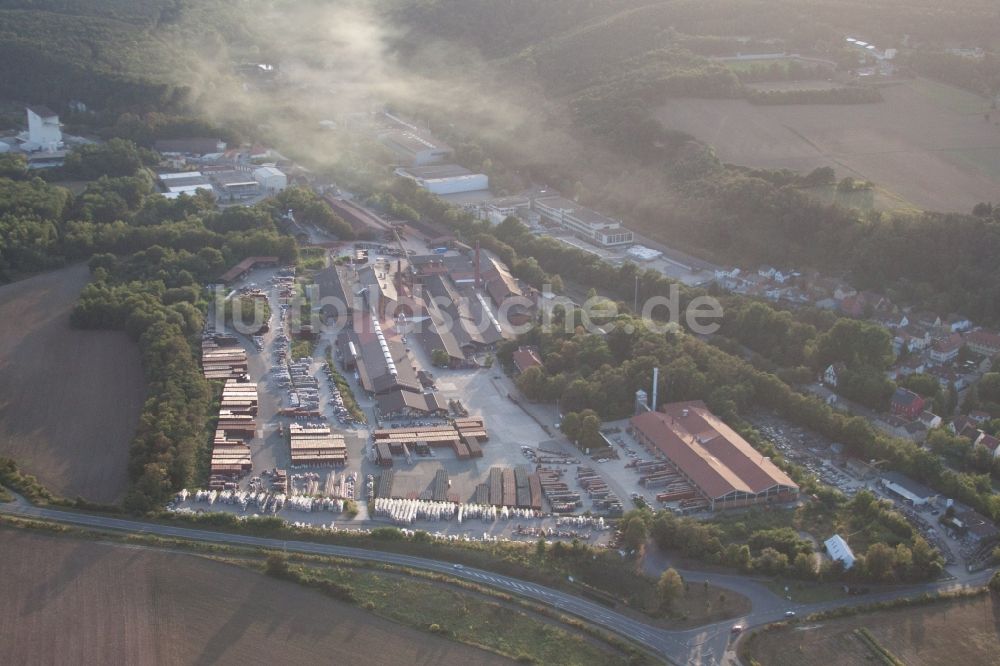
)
(515, 439)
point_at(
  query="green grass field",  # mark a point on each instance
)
(469, 618)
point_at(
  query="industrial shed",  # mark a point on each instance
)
(723, 467)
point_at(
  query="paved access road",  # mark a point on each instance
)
(704, 645)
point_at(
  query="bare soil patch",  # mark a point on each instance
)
(928, 143)
(84, 602)
(69, 399)
(955, 632)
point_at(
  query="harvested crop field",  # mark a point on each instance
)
(69, 399)
(955, 632)
(928, 143)
(83, 602)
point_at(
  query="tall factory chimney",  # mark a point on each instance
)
(478, 271)
(656, 382)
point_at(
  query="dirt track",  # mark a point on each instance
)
(69, 399)
(927, 142)
(82, 602)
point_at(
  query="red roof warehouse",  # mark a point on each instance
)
(722, 466)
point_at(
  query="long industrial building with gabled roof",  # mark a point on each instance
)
(724, 468)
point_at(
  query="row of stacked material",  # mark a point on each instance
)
(230, 458)
(600, 494)
(496, 486)
(522, 491)
(237, 423)
(427, 436)
(222, 362)
(556, 491)
(492, 513)
(239, 397)
(535, 492)
(441, 485)
(383, 454)
(316, 445)
(482, 494)
(406, 511)
(472, 431)
(509, 488)
(385, 480)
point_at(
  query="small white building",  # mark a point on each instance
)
(838, 550)
(44, 130)
(272, 180)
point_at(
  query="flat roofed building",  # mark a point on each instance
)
(907, 488)
(235, 185)
(587, 224)
(190, 146)
(722, 466)
(271, 179)
(445, 178)
(416, 148)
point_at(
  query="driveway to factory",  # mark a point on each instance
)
(704, 645)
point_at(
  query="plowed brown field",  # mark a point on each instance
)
(69, 399)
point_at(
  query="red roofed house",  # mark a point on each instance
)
(984, 342)
(723, 468)
(991, 443)
(524, 358)
(907, 404)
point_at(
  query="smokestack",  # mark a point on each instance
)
(478, 273)
(656, 381)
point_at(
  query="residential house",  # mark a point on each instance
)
(945, 350)
(990, 443)
(947, 376)
(853, 306)
(929, 420)
(957, 324)
(906, 403)
(833, 373)
(979, 417)
(911, 366)
(983, 342)
(826, 304)
(843, 291)
(963, 426)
